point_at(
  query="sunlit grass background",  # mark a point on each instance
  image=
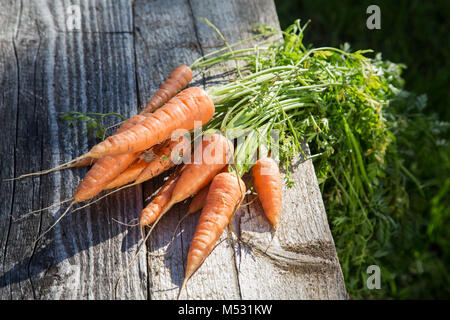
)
(417, 257)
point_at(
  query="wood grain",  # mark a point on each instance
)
(114, 63)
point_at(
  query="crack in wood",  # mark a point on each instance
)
(14, 45)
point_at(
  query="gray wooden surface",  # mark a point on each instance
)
(119, 57)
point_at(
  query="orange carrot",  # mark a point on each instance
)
(86, 160)
(192, 104)
(199, 199)
(226, 192)
(178, 80)
(131, 122)
(105, 170)
(111, 164)
(216, 151)
(192, 100)
(164, 158)
(153, 210)
(129, 175)
(196, 204)
(101, 174)
(135, 169)
(161, 156)
(268, 185)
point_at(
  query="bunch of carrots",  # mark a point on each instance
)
(147, 145)
(284, 94)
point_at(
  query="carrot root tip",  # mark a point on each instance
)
(183, 284)
(42, 172)
(56, 222)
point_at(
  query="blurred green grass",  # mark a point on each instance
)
(414, 33)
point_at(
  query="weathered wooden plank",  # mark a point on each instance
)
(48, 70)
(166, 38)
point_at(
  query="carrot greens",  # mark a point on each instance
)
(93, 120)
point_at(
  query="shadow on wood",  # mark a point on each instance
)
(56, 247)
